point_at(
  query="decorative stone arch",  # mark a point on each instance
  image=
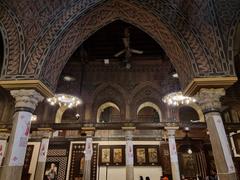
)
(232, 32)
(162, 20)
(13, 42)
(152, 105)
(198, 109)
(108, 94)
(104, 106)
(176, 46)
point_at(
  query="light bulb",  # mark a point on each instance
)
(189, 151)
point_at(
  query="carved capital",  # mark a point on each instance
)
(26, 98)
(171, 130)
(209, 99)
(128, 132)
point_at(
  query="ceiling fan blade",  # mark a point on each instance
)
(126, 42)
(119, 53)
(136, 51)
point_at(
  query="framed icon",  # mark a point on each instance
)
(235, 142)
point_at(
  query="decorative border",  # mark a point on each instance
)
(232, 140)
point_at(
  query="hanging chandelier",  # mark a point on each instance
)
(66, 100)
(177, 98)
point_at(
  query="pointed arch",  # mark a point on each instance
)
(109, 11)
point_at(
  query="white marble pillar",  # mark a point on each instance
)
(26, 102)
(129, 152)
(173, 152)
(42, 157)
(209, 100)
(88, 157)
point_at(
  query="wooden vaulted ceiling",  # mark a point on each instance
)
(108, 41)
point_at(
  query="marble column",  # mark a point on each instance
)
(88, 153)
(173, 152)
(42, 157)
(209, 100)
(129, 152)
(3, 146)
(26, 102)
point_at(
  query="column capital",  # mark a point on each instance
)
(171, 130)
(209, 99)
(128, 132)
(89, 131)
(26, 98)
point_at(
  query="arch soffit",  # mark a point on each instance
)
(232, 33)
(13, 42)
(32, 69)
(104, 106)
(103, 15)
(152, 105)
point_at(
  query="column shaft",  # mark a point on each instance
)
(220, 146)
(17, 146)
(42, 157)
(129, 152)
(129, 160)
(88, 158)
(173, 152)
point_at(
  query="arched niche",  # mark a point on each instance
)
(70, 115)
(108, 112)
(108, 94)
(146, 95)
(149, 111)
(190, 112)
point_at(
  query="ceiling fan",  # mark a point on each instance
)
(127, 50)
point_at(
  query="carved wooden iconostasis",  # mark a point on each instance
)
(235, 143)
(165, 158)
(30, 161)
(67, 158)
(76, 161)
(192, 159)
(57, 157)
